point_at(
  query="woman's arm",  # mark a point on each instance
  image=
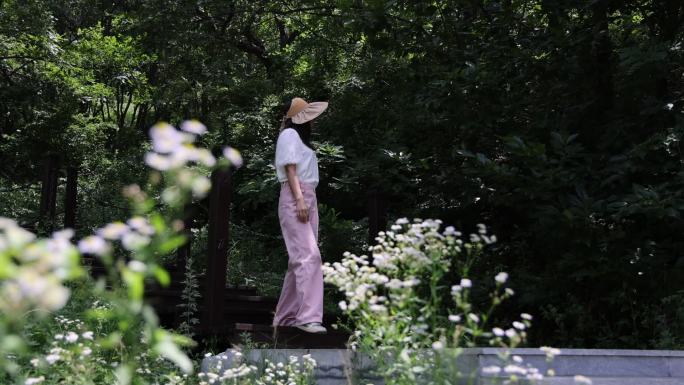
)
(293, 180)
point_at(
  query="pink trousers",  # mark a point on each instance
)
(301, 299)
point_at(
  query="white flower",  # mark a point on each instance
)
(59, 336)
(502, 277)
(519, 325)
(15, 236)
(526, 316)
(201, 186)
(205, 157)
(71, 337)
(474, 317)
(454, 318)
(343, 305)
(137, 266)
(158, 162)
(165, 138)
(55, 297)
(450, 230)
(511, 333)
(134, 241)
(34, 380)
(233, 156)
(35, 362)
(550, 352)
(517, 359)
(456, 288)
(438, 345)
(86, 351)
(465, 282)
(515, 369)
(113, 231)
(193, 126)
(63, 234)
(141, 225)
(491, 370)
(582, 380)
(52, 358)
(87, 335)
(498, 332)
(669, 106)
(93, 244)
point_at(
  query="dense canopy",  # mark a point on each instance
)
(557, 123)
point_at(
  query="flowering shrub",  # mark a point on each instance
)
(295, 372)
(36, 276)
(397, 303)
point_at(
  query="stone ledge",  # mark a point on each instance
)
(603, 366)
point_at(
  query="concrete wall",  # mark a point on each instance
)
(602, 367)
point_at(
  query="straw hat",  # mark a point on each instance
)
(301, 111)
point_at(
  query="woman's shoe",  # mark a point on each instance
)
(312, 327)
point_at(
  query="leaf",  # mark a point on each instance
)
(169, 350)
(124, 375)
(172, 244)
(162, 275)
(135, 283)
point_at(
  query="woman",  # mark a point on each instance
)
(301, 299)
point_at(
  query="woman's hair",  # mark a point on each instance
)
(304, 129)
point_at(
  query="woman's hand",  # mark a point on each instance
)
(302, 210)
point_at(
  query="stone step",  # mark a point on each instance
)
(290, 337)
(596, 381)
(595, 362)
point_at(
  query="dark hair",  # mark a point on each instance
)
(304, 129)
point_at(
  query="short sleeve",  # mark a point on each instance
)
(288, 148)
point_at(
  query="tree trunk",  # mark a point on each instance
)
(71, 198)
(48, 194)
(377, 215)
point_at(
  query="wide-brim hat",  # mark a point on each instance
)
(301, 111)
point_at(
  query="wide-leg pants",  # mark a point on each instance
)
(301, 299)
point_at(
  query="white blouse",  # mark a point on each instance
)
(291, 150)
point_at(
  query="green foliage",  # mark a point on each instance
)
(557, 122)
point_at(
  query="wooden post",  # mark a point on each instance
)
(48, 194)
(377, 215)
(217, 253)
(71, 198)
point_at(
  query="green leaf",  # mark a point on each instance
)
(166, 348)
(172, 244)
(162, 275)
(135, 283)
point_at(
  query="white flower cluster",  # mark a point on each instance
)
(515, 371)
(412, 248)
(402, 255)
(293, 372)
(32, 271)
(135, 234)
(174, 149)
(395, 302)
(72, 346)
